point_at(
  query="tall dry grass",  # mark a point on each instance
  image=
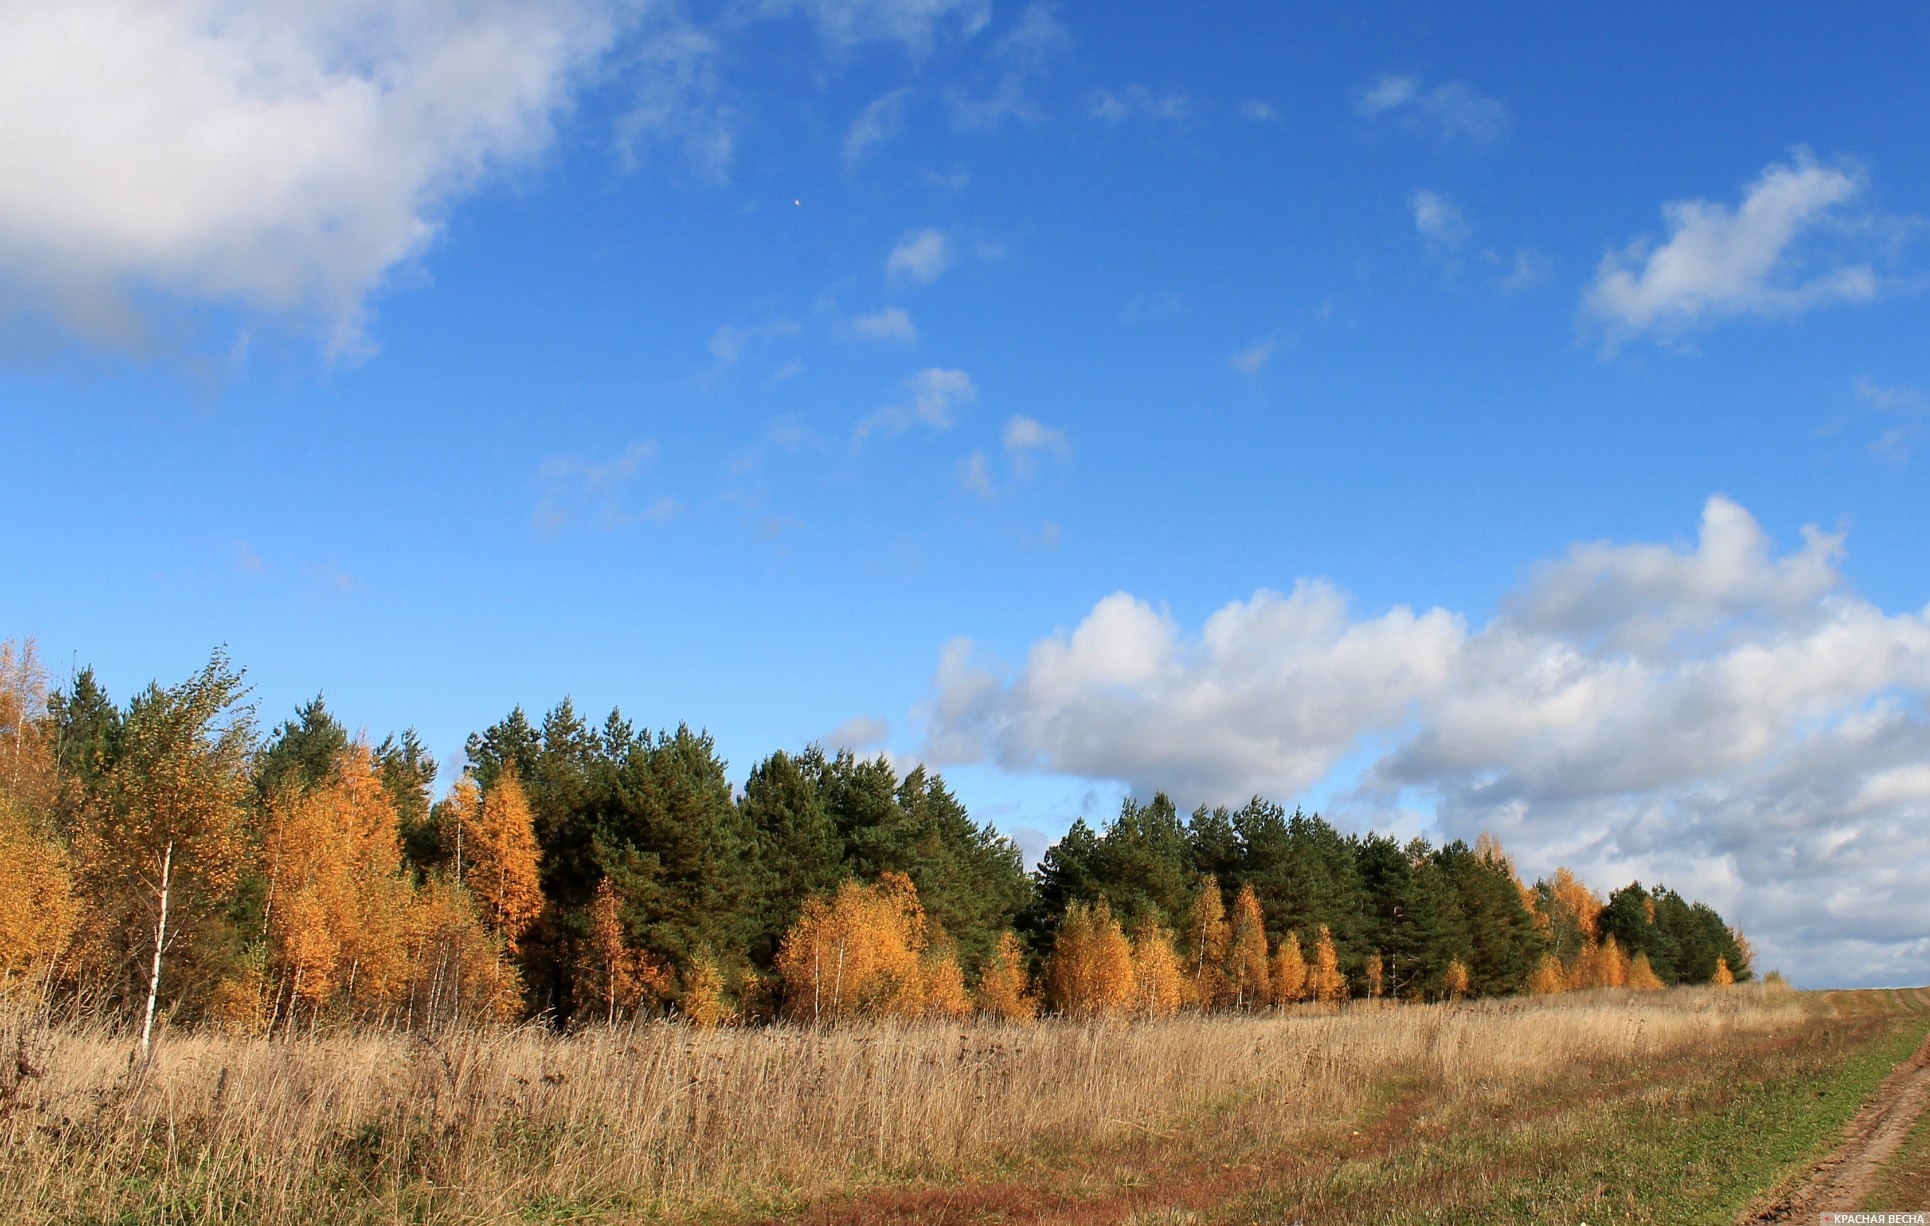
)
(665, 1118)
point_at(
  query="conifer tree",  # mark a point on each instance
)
(1289, 971)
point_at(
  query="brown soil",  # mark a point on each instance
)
(1841, 1181)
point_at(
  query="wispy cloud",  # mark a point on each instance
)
(1719, 262)
(876, 124)
(1438, 220)
(1138, 102)
(729, 343)
(576, 487)
(1255, 357)
(1451, 112)
(677, 103)
(1905, 413)
(932, 398)
(916, 24)
(1028, 440)
(887, 324)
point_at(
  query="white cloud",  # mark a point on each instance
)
(975, 474)
(933, 397)
(1450, 112)
(921, 256)
(1260, 111)
(1905, 412)
(1027, 439)
(1254, 358)
(876, 124)
(729, 343)
(574, 486)
(1136, 101)
(677, 102)
(859, 733)
(282, 159)
(1720, 262)
(1731, 720)
(888, 324)
(1438, 219)
(918, 24)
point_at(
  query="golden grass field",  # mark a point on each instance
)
(1194, 1119)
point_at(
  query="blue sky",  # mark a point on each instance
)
(1512, 419)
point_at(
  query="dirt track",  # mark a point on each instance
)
(1841, 1181)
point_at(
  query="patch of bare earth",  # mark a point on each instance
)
(1843, 1180)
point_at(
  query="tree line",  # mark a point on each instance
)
(164, 858)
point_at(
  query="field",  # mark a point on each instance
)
(1695, 1105)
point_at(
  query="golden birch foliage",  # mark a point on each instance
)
(1090, 972)
(26, 758)
(1642, 976)
(1002, 989)
(1576, 903)
(944, 987)
(458, 970)
(38, 910)
(1724, 977)
(857, 953)
(1289, 971)
(1547, 978)
(500, 860)
(1246, 953)
(1456, 979)
(1158, 975)
(623, 979)
(1207, 935)
(1600, 966)
(703, 998)
(1376, 973)
(1324, 980)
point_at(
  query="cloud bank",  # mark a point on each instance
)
(279, 157)
(1721, 717)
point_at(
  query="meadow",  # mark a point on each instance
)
(1513, 1109)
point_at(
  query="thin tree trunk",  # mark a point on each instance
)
(160, 939)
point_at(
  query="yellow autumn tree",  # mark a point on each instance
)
(1246, 952)
(160, 849)
(1547, 978)
(1207, 936)
(38, 911)
(1289, 971)
(702, 1002)
(1376, 972)
(1090, 972)
(500, 858)
(857, 953)
(1455, 981)
(1002, 989)
(1642, 976)
(1723, 977)
(1601, 965)
(1324, 980)
(458, 970)
(1159, 979)
(623, 979)
(943, 986)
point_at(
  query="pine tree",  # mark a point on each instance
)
(1289, 972)
(1324, 980)
(1246, 954)
(1002, 990)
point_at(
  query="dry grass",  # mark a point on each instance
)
(667, 1120)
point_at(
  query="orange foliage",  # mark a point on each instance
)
(624, 978)
(1456, 979)
(1576, 902)
(1207, 935)
(38, 910)
(1289, 971)
(1376, 973)
(1324, 980)
(1158, 977)
(703, 999)
(1547, 978)
(1599, 966)
(1090, 972)
(1724, 977)
(457, 969)
(944, 987)
(1246, 955)
(1642, 976)
(1001, 984)
(501, 860)
(857, 953)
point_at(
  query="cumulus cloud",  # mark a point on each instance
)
(1718, 262)
(933, 397)
(1721, 716)
(283, 159)
(921, 256)
(1136, 101)
(1452, 112)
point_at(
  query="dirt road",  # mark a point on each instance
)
(1841, 1181)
